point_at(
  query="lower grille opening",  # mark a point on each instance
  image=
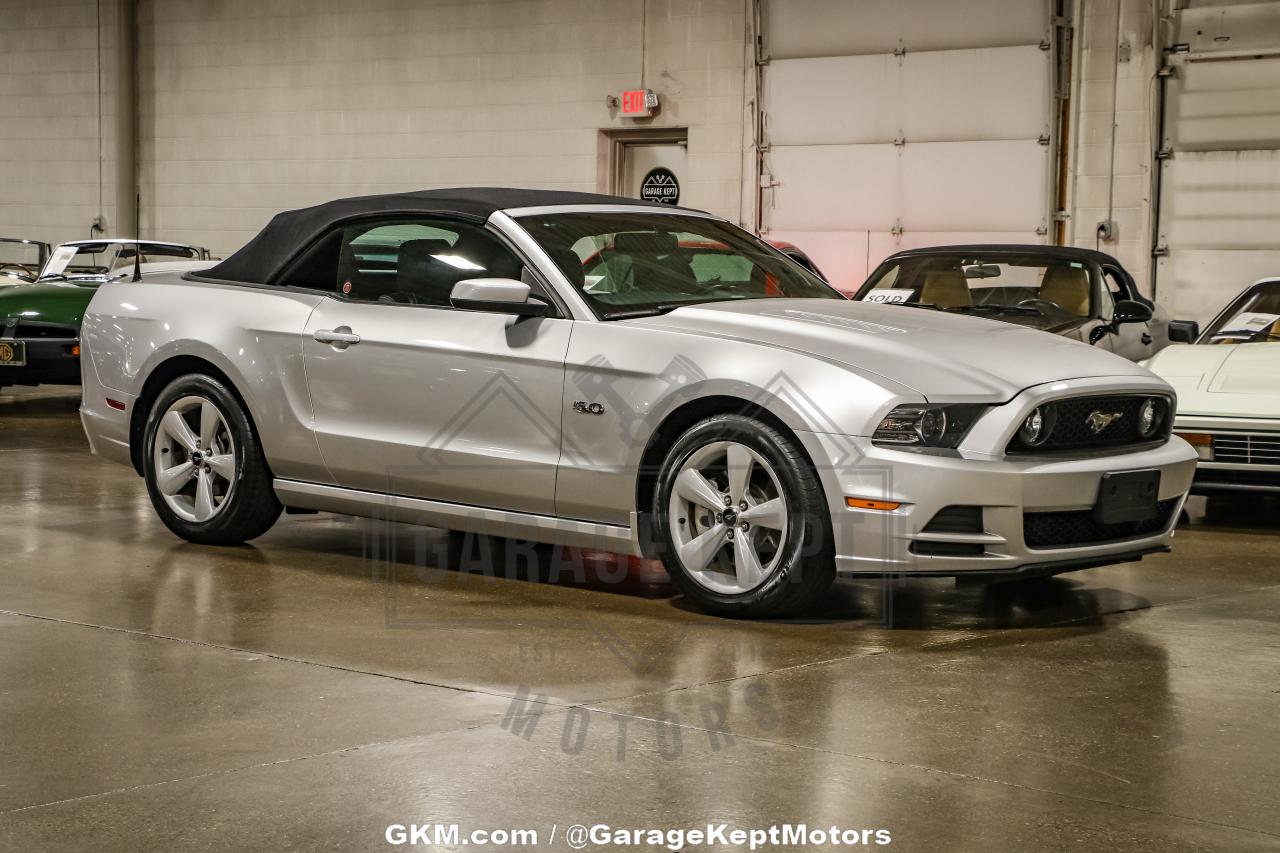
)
(948, 549)
(952, 519)
(956, 519)
(1067, 529)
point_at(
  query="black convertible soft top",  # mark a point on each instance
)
(289, 232)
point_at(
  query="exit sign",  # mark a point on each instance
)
(639, 103)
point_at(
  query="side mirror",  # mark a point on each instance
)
(499, 296)
(1183, 331)
(1129, 311)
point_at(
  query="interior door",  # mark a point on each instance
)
(654, 171)
(414, 397)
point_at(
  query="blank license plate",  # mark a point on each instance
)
(13, 354)
(1127, 496)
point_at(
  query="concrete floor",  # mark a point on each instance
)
(308, 691)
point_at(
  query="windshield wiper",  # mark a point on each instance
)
(660, 308)
(1247, 336)
(650, 311)
(997, 309)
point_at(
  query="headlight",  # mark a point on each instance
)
(922, 425)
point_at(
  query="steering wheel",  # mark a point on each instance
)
(12, 266)
(1037, 303)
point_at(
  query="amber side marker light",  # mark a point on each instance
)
(867, 503)
(1202, 442)
(75, 351)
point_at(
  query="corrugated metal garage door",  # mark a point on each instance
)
(1219, 218)
(899, 123)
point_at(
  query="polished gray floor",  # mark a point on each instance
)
(309, 690)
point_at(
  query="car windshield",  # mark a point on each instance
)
(1253, 318)
(16, 255)
(99, 259)
(1056, 289)
(639, 264)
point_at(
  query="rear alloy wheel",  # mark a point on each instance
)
(744, 519)
(194, 457)
(205, 471)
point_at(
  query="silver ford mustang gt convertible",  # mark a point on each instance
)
(599, 372)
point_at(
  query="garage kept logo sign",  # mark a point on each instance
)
(660, 185)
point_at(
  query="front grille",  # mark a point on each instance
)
(1247, 448)
(45, 331)
(1069, 424)
(1069, 529)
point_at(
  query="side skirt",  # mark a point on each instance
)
(450, 516)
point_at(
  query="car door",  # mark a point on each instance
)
(414, 397)
(1134, 341)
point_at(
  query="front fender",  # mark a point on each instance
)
(640, 376)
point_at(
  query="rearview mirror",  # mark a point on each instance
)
(497, 295)
(1183, 331)
(982, 271)
(1130, 311)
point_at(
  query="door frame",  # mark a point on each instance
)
(611, 151)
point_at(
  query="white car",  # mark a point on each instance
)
(1228, 386)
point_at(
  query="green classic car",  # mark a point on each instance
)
(40, 322)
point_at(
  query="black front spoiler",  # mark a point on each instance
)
(1027, 570)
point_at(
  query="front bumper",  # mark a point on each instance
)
(1243, 458)
(1035, 514)
(50, 361)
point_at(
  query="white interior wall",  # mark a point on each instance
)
(1115, 100)
(250, 107)
(52, 180)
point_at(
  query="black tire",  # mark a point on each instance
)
(250, 507)
(806, 569)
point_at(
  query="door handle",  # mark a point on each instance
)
(340, 338)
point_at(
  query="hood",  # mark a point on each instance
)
(47, 302)
(1226, 380)
(946, 357)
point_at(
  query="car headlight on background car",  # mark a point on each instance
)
(924, 425)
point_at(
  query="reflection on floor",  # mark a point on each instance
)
(337, 676)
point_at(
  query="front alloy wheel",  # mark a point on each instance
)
(743, 519)
(728, 517)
